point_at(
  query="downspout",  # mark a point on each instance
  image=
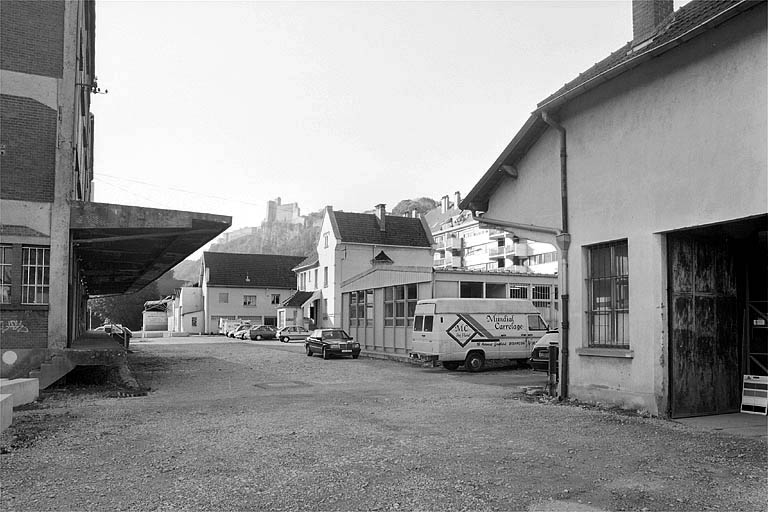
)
(563, 242)
(514, 225)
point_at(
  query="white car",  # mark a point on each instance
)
(539, 360)
(114, 329)
(292, 332)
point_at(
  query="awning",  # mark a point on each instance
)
(121, 249)
(300, 299)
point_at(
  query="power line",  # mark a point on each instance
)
(198, 194)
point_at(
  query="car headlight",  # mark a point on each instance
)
(355, 345)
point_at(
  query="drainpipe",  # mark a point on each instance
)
(563, 242)
(513, 225)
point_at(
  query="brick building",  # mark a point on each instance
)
(57, 246)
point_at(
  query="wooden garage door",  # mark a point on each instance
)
(704, 327)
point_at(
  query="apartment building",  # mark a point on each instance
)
(462, 241)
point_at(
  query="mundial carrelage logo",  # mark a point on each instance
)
(462, 331)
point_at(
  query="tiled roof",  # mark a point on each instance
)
(363, 228)
(296, 300)
(251, 270)
(678, 23)
(308, 262)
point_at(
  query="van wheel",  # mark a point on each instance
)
(450, 365)
(475, 362)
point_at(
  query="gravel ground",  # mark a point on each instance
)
(236, 426)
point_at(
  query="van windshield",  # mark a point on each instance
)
(418, 322)
(536, 323)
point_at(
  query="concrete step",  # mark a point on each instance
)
(53, 370)
(23, 391)
(6, 411)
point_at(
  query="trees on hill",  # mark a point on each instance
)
(422, 205)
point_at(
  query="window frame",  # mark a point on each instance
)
(6, 273)
(35, 277)
(249, 301)
(613, 309)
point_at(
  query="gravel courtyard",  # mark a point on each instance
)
(250, 425)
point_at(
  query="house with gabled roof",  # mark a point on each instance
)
(247, 287)
(649, 171)
(350, 244)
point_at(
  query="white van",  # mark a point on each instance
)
(472, 331)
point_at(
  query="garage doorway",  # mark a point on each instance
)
(715, 273)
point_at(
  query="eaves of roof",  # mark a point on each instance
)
(609, 68)
(308, 262)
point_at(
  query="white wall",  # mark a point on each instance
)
(679, 142)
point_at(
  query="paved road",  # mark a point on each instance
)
(258, 425)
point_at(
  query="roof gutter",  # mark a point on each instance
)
(514, 225)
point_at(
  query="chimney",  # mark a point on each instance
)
(646, 17)
(456, 199)
(444, 204)
(415, 213)
(381, 213)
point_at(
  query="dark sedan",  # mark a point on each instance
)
(261, 332)
(331, 342)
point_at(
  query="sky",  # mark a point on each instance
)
(220, 106)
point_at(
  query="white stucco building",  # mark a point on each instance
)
(351, 243)
(649, 171)
(244, 287)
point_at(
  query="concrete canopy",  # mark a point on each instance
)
(121, 249)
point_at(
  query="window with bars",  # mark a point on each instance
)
(608, 289)
(518, 291)
(35, 275)
(541, 296)
(5, 274)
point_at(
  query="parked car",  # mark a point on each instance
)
(115, 329)
(539, 360)
(292, 332)
(331, 342)
(261, 332)
(238, 331)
